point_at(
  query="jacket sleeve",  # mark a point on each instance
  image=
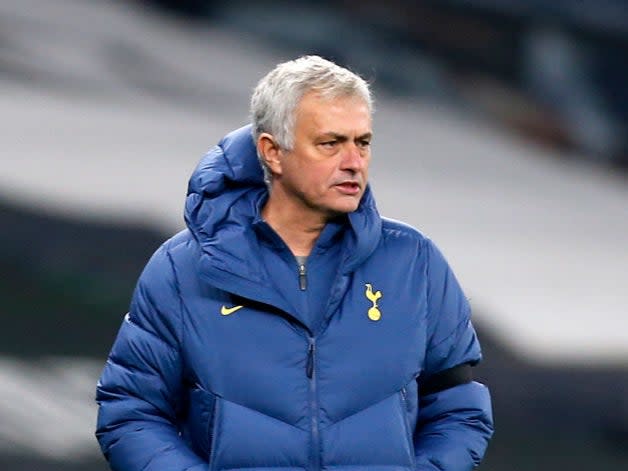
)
(139, 390)
(454, 424)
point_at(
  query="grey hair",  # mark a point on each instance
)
(277, 95)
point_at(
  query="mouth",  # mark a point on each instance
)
(349, 187)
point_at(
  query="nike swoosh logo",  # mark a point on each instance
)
(225, 311)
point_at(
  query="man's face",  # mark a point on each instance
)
(326, 171)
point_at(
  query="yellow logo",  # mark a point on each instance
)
(374, 313)
(225, 311)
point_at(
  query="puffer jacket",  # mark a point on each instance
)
(218, 366)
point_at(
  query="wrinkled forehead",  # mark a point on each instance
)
(347, 116)
(315, 105)
(333, 95)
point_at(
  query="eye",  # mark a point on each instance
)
(329, 144)
(364, 143)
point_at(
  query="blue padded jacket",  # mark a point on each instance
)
(219, 366)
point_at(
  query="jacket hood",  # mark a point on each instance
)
(223, 200)
(223, 176)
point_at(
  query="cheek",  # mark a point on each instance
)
(322, 176)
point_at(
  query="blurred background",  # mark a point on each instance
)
(500, 132)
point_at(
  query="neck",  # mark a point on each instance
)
(297, 227)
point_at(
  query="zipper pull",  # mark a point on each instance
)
(309, 367)
(302, 278)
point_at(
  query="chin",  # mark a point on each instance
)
(340, 206)
(345, 208)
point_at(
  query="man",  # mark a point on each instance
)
(291, 327)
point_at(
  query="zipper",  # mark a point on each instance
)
(311, 374)
(309, 367)
(405, 408)
(302, 277)
(212, 433)
(404, 398)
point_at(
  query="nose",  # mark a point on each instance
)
(354, 158)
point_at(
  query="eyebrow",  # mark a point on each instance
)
(343, 138)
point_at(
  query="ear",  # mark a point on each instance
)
(270, 151)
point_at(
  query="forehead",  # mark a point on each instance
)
(343, 114)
